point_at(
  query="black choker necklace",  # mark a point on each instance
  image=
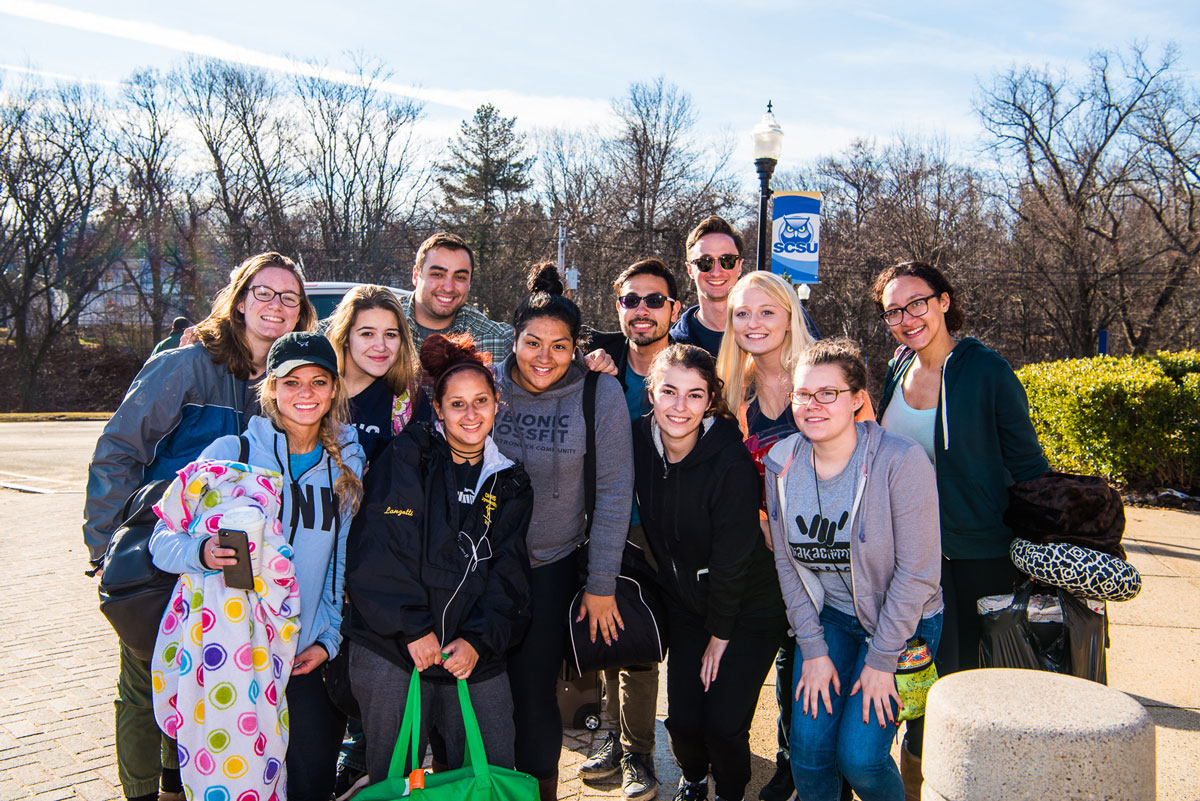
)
(468, 455)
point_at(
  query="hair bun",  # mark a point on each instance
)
(439, 353)
(544, 277)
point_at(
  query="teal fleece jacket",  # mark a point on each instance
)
(984, 442)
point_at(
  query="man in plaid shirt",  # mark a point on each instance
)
(442, 280)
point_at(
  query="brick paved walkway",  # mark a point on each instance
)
(57, 688)
(59, 671)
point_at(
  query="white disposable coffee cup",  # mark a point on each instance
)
(251, 521)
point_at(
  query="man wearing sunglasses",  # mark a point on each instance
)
(646, 306)
(714, 263)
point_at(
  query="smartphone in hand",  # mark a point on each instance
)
(239, 576)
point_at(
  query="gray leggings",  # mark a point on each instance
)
(381, 689)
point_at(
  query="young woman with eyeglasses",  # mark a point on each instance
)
(964, 405)
(437, 569)
(180, 401)
(854, 521)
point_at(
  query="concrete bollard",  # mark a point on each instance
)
(1025, 735)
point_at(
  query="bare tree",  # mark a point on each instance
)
(57, 235)
(1166, 181)
(664, 179)
(241, 116)
(363, 177)
(1062, 151)
(159, 264)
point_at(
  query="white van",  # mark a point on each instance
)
(326, 295)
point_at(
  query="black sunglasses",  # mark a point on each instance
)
(706, 263)
(655, 300)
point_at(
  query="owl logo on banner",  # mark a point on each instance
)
(796, 235)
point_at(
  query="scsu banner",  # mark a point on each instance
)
(796, 235)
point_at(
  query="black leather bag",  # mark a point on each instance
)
(643, 640)
(133, 592)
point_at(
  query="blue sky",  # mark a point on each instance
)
(835, 70)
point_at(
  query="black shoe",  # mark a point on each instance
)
(691, 791)
(604, 761)
(348, 782)
(638, 781)
(780, 787)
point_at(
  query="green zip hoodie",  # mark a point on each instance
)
(984, 441)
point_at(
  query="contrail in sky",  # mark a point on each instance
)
(537, 109)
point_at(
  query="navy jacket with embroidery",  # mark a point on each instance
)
(414, 567)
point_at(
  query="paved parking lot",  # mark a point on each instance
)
(57, 683)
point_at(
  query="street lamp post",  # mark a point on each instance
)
(768, 144)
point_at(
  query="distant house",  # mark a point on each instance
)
(121, 296)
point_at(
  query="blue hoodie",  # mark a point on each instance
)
(315, 527)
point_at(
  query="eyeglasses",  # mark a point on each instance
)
(706, 263)
(915, 308)
(655, 300)
(264, 294)
(823, 396)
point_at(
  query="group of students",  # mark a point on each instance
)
(441, 500)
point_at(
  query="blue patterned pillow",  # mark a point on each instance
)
(1080, 571)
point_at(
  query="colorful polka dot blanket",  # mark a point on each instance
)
(223, 656)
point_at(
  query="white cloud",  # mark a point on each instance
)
(531, 109)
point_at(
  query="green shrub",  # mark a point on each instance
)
(1179, 363)
(1135, 421)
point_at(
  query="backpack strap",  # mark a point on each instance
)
(243, 449)
(589, 456)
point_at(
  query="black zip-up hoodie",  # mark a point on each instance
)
(409, 564)
(701, 520)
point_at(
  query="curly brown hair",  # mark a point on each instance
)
(930, 275)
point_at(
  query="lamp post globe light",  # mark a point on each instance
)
(768, 144)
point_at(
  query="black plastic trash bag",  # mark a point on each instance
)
(1086, 635)
(1071, 640)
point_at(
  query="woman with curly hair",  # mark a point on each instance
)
(438, 569)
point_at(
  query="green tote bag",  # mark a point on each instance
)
(476, 780)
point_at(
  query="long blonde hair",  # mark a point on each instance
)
(403, 375)
(348, 486)
(223, 331)
(736, 366)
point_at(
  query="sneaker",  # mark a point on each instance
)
(780, 787)
(604, 761)
(691, 791)
(348, 782)
(638, 781)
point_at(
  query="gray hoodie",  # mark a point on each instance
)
(547, 434)
(895, 545)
